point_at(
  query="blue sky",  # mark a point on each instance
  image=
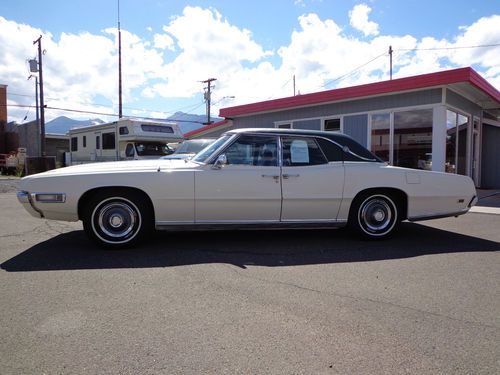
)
(253, 48)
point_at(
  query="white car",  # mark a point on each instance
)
(189, 148)
(248, 178)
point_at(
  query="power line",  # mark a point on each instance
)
(188, 107)
(353, 71)
(96, 113)
(449, 48)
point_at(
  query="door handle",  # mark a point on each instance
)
(287, 176)
(271, 176)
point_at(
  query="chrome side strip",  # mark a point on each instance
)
(248, 226)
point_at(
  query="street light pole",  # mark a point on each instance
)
(42, 106)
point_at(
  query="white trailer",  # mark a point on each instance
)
(137, 139)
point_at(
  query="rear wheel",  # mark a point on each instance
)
(374, 215)
(116, 219)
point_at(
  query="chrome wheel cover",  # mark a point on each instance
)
(116, 220)
(377, 215)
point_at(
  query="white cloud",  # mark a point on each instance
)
(358, 18)
(213, 49)
(78, 68)
(81, 69)
(163, 41)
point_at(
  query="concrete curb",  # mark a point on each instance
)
(485, 210)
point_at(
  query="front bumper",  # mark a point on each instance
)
(29, 201)
(26, 200)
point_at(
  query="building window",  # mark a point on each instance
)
(84, 141)
(381, 135)
(332, 125)
(108, 141)
(97, 142)
(457, 126)
(74, 143)
(123, 130)
(412, 139)
(284, 126)
(405, 143)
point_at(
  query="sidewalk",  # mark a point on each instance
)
(488, 202)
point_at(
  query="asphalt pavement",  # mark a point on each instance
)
(265, 302)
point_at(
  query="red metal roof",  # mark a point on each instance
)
(396, 85)
(205, 128)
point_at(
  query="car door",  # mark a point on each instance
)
(246, 189)
(312, 180)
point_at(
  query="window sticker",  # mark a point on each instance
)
(299, 151)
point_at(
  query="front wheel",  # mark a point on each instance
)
(116, 220)
(374, 216)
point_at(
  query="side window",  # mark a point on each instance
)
(302, 151)
(108, 141)
(253, 150)
(129, 151)
(84, 141)
(74, 143)
(97, 142)
(123, 130)
(331, 150)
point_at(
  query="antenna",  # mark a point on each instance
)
(120, 113)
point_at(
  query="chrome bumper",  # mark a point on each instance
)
(26, 200)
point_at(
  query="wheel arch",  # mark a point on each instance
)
(399, 196)
(116, 190)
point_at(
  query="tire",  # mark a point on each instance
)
(374, 215)
(116, 220)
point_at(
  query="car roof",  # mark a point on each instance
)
(295, 132)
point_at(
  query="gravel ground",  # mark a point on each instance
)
(8, 184)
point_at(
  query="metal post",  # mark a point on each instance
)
(37, 115)
(120, 113)
(390, 61)
(42, 106)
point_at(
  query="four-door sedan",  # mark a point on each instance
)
(248, 178)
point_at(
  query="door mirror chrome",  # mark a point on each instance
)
(220, 162)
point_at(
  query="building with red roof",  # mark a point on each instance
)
(445, 121)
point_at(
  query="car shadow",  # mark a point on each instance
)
(73, 251)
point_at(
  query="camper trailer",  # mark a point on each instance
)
(125, 139)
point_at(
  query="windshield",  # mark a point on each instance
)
(204, 154)
(193, 146)
(152, 149)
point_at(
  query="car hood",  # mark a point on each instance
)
(116, 167)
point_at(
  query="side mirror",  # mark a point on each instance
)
(346, 149)
(220, 162)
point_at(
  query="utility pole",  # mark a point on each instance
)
(294, 85)
(120, 113)
(208, 96)
(390, 61)
(42, 105)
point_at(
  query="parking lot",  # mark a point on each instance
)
(283, 302)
